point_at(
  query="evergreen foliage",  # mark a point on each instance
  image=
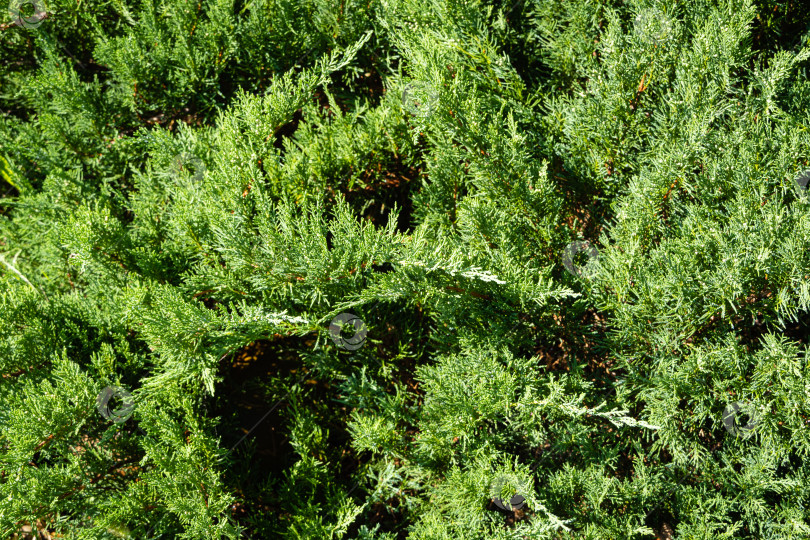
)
(193, 191)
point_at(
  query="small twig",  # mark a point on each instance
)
(11, 267)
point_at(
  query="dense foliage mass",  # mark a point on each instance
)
(376, 269)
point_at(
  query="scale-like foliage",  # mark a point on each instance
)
(445, 269)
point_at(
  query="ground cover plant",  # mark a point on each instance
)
(381, 269)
